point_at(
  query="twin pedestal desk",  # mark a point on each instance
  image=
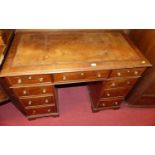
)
(39, 61)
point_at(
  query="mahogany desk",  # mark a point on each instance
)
(39, 61)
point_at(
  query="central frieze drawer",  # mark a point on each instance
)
(121, 92)
(77, 76)
(35, 90)
(127, 72)
(38, 101)
(119, 83)
(29, 79)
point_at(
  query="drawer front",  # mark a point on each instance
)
(38, 101)
(75, 76)
(110, 103)
(43, 110)
(127, 72)
(146, 101)
(29, 79)
(121, 92)
(119, 83)
(36, 90)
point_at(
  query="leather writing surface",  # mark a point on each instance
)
(78, 48)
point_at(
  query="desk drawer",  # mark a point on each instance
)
(119, 83)
(127, 72)
(29, 79)
(43, 100)
(120, 92)
(42, 110)
(36, 90)
(110, 102)
(80, 76)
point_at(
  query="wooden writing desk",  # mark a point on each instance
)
(39, 61)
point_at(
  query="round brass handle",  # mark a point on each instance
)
(128, 71)
(119, 74)
(19, 81)
(44, 91)
(116, 103)
(29, 102)
(30, 77)
(49, 110)
(41, 79)
(113, 84)
(46, 101)
(143, 62)
(128, 82)
(82, 74)
(103, 104)
(99, 75)
(34, 111)
(108, 94)
(64, 78)
(24, 92)
(136, 72)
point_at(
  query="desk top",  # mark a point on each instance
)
(56, 52)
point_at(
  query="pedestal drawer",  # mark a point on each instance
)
(42, 110)
(127, 72)
(29, 79)
(110, 102)
(36, 90)
(27, 102)
(119, 83)
(116, 92)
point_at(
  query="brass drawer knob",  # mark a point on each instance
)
(29, 102)
(113, 84)
(30, 77)
(116, 103)
(82, 74)
(19, 81)
(44, 90)
(46, 101)
(103, 104)
(128, 71)
(64, 78)
(119, 74)
(34, 111)
(128, 82)
(24, 92)
(49, 110)
(108, 94)
(98, 75)
(41, 79)
(136, 72)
